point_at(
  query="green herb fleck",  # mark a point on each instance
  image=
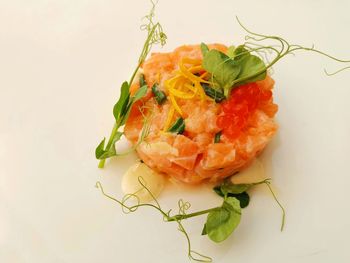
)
(213, 93)
(159, 95)
(142, 80)
(178, 126)
(217, 137)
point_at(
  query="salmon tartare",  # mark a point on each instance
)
(195, 133)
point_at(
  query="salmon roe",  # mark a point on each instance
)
(242, 102)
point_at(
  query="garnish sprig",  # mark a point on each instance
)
(221, 220)
(122, 108)
(283, 49)
(155, 35)
(183, 206)
(240, 66)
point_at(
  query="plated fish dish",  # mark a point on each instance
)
(198, 114)
(217, 137)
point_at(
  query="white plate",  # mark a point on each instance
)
(61, 66)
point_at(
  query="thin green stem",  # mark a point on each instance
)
(109, 144)
(182, 216)
(336, 72)
(128, 209)
(297, 47)
(134, 73)
(191, 253)
(280, 205)
(285, 49)
(155, 35)
(101, 163)
(145, 50)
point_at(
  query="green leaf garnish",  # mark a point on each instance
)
(204, 49)
(240, 66)
(223, 221)
(182, 215)
(231, 51)
(159, 95)
(122, 108)
(281, 49)
(102, 154)
(213, 93)
(178, 127)
(250, 67)
(140, 93)
(224, 70)
(100, 149)
(122, 104)
(229, 189)
(237, 68)
(243, 199)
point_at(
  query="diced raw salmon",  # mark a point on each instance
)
(193, 156)
(188, 152)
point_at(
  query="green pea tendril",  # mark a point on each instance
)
(221, 221)
(182, 214)
(281, 49)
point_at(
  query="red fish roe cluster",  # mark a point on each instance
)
(243, 101)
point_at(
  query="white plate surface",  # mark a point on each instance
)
(61, 65)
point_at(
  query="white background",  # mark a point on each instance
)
(61, 65)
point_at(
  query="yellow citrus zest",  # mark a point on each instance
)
(185, 85)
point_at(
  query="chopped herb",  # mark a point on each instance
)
(142, 80)
(178, 126)
(159, 95)
(217, 137)
(215, 94)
